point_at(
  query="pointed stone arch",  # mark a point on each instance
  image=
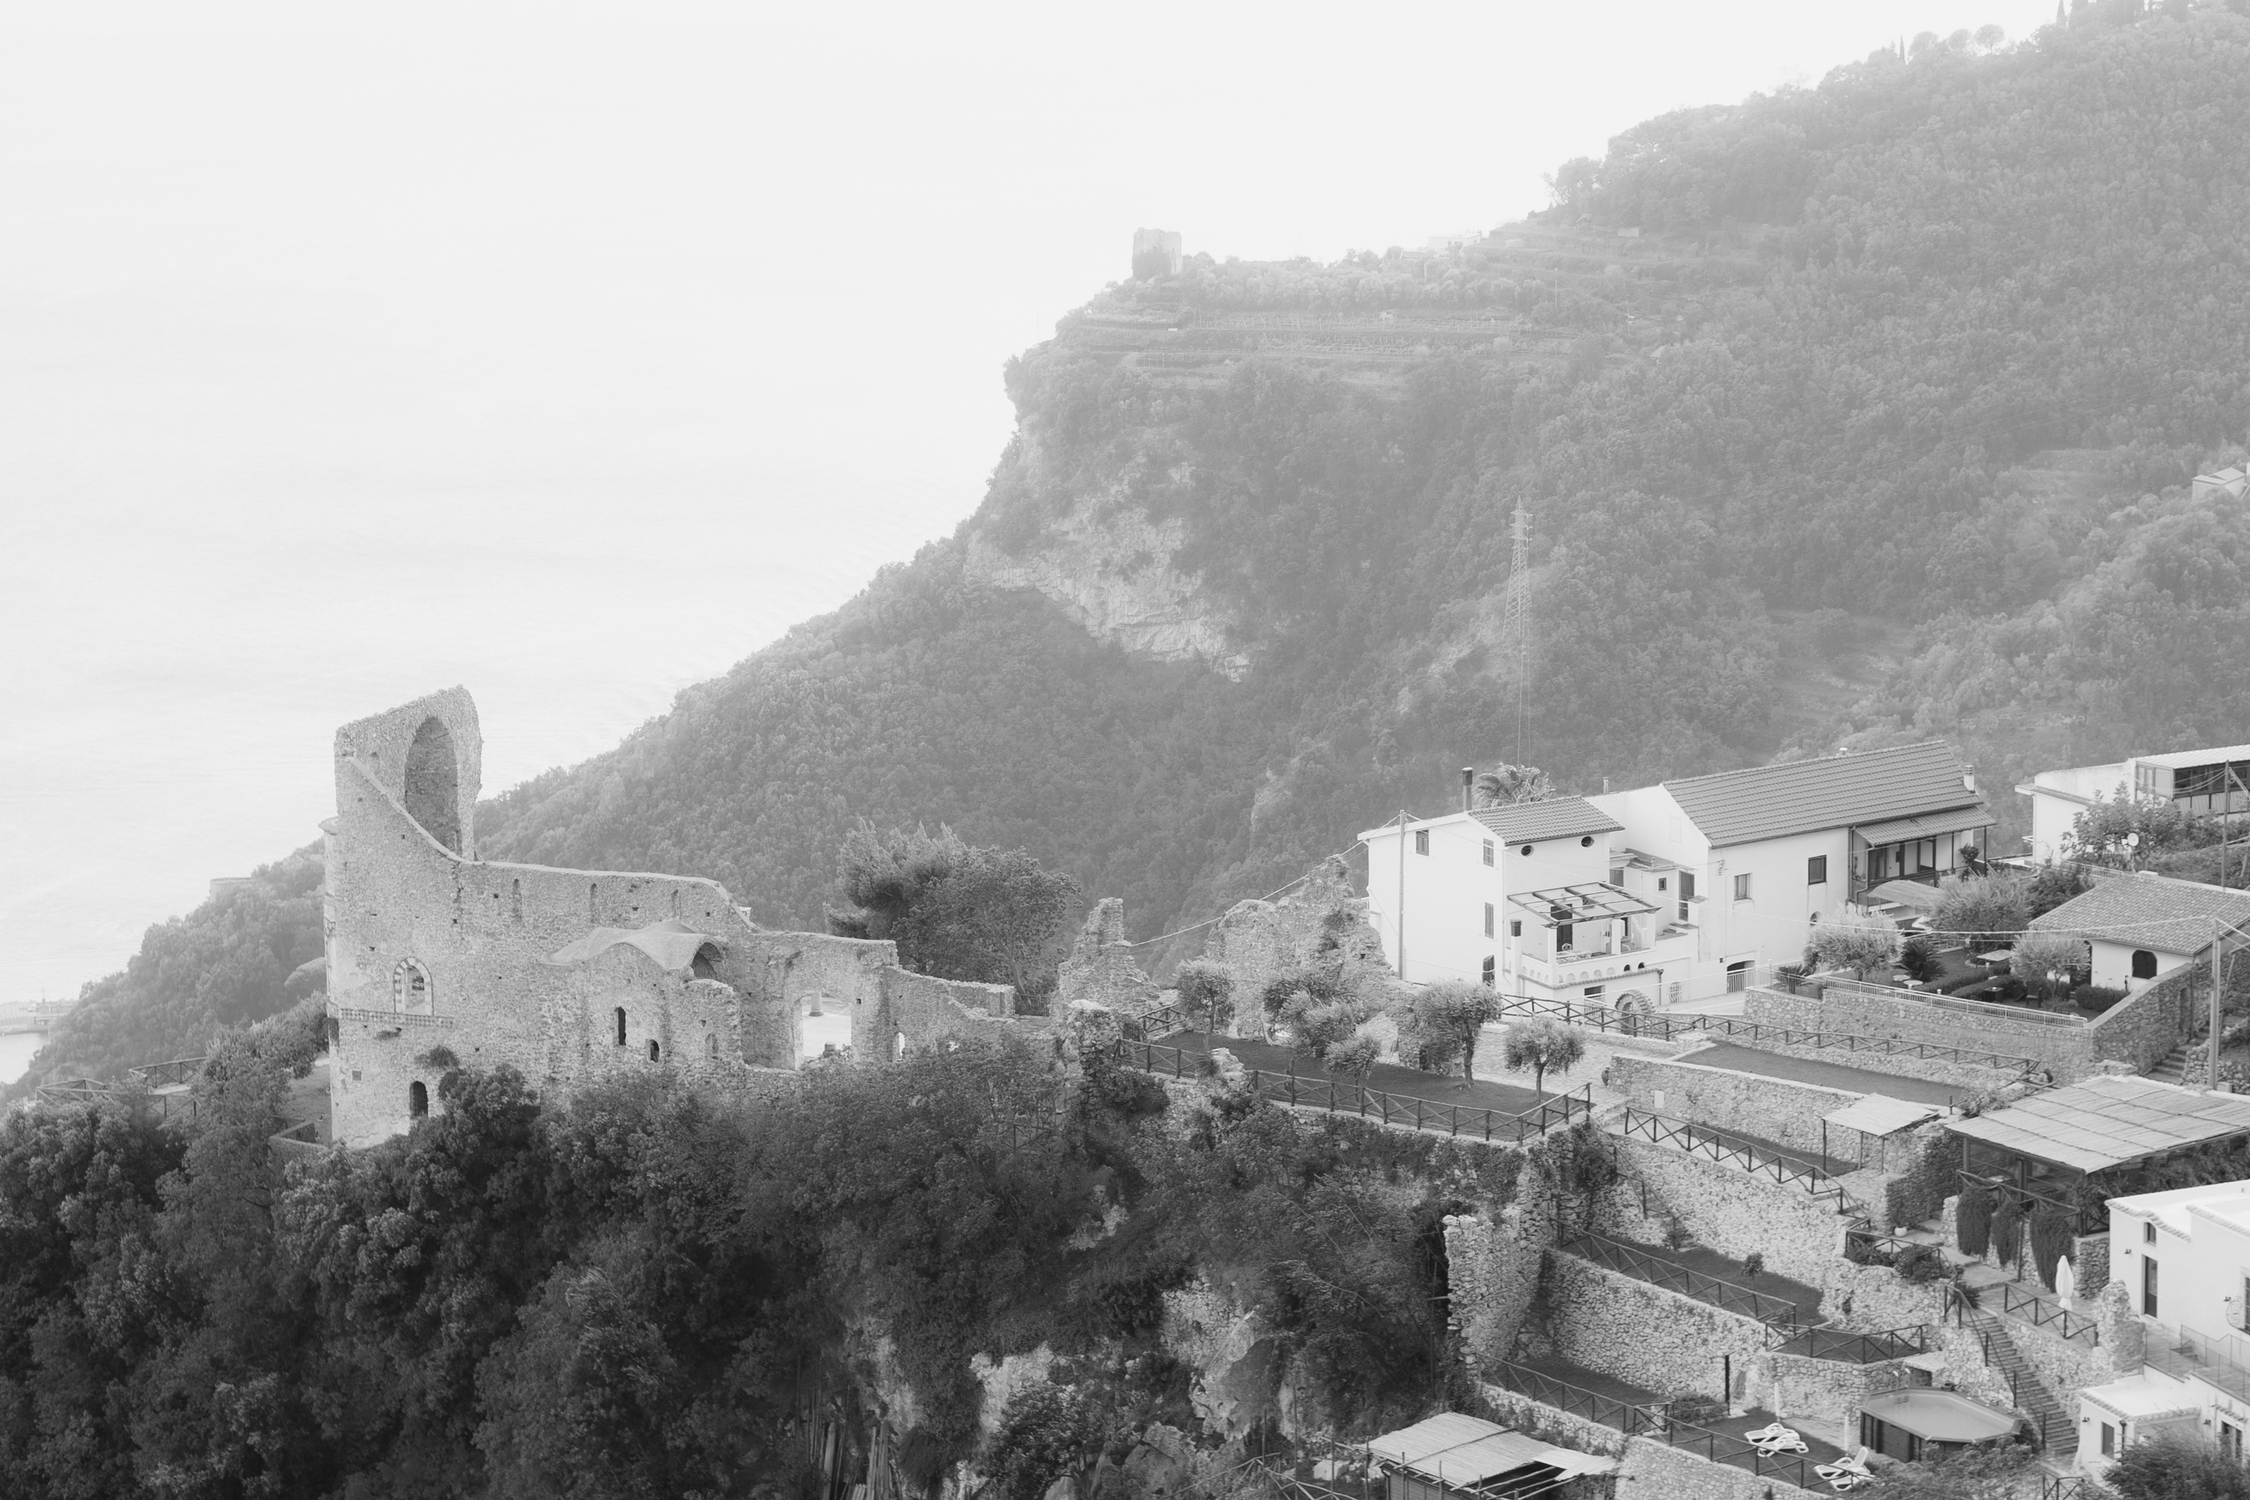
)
(432, 794)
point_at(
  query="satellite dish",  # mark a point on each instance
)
(2132, 841)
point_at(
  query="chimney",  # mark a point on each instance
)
(1969, 781)
(1605, 786)
(1468, 784)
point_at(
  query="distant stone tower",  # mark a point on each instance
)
(1156, 253)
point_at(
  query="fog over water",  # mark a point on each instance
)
(571, 353)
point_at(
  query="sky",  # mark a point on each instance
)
(573, 352)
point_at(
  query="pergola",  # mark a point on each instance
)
(2050, 1145)
(1591, 901)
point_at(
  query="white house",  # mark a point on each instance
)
(1707, 877)
(2184, 1259)
(2141, 926)
(2214, 781)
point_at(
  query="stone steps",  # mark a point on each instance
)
(2173, 1069)
(2031, 1394)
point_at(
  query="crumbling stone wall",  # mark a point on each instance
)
(1494, 1261)
(1826, 1391)
(1100, 967)
(1876, 1299)
(1723, 1207)
(1261, 941)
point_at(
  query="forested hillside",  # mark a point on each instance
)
(1896, 381)
(1826, 366)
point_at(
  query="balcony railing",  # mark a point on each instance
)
(1846, 1347)
(2182, 1353)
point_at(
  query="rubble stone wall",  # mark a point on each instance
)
(1774, 1109)
(1653, 1338)
(1724, 1207)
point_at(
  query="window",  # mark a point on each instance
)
(2230, 1442)
(1663, 882)
(1738, 976)
(1421, 841)
(2148, 1285)
(417, 1099)
(1816, 870)
(1525, 851)
(1564, 936)
(652, 1050)
(2148, 1231)
(2144, 966)
(1515, 927)
(1587, 842)
(1488, 915)
(1687, 885)
(1617, 876)
(410, 987)
(1741, 887)
(2109, 1441)
(1592, 992)
(621, 1026)
(1491, 972)
(1488, 851)
(1683, 911)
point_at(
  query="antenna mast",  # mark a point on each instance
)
(1517, 622)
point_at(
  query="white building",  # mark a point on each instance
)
(2142, 926)
(2208, 782)
(1706, 878)
(2184, 1259)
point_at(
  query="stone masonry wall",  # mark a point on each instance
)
(1100, 967)
(1656, 1339)
(1260, 941)
(1875, 1299)
(1898, 1064)
(1494, 1264)
(1773, 1109)
(1826, 1391)
(1864, 1011)
(1723, 1207)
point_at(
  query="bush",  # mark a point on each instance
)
(2175, 1468)
(1206, 993)
(1858, 939)
(1919, 958)
(1972, 1219)
(2095, 998)
(1987, 910)
(2052, 886)
(1753, 1265)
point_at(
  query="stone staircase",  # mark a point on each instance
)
(2030, 1393)
(2174, 1068)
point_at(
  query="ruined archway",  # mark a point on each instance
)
(433, 784)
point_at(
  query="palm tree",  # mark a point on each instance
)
(1504, 786)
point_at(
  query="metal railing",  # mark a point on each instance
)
(1677, 1025)
(1646, 1265)
(1733, 1150)
(1847, 1347)
(1652, 1420)
(154, 1076)
(2069, 1487)
(2030, 1307)
(2182, 1352)
(1339, 1096)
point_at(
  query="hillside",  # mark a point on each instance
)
(1845, 414)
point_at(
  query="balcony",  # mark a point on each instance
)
(2184, 1354)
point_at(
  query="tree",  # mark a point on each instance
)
(1445, 1021)
(1858, 939)
(2125, 830)
(2052, 886)
(1505, 786)
(2050, 960)
(2176, 1468)
(956, 910)
(1989, 1474)
(1543, 1044)
(1983, 910)
(1206, 991)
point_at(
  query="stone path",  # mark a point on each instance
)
(1742, 1059)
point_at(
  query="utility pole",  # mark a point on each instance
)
(1518, 617)
(2218, 983)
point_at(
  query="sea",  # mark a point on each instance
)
(16, 1052)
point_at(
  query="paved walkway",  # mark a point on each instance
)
(1740, 1059)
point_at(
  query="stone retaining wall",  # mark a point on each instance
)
(1773, 1109)
(1827, 1391)
(1724, 1207)
(1653, 1338)
(2067, 1051)
(1898, 1064)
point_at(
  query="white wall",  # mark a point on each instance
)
(2058, 797)
(1447, 890)
(1773, 926)
(2113, 965)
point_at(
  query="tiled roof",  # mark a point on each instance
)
(2149, 911)
(1836, 791)
(2107, 1122)
(1555, 818)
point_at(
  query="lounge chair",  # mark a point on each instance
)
(1848, 1472)
(1786, 1442)
(1767, 1434)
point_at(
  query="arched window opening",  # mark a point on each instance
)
(705, 964)
(621, 1026)
(417, 1099)
(652, 1050)
(2144, 964)
(898, 1045)
(433, 784)
(410, 988)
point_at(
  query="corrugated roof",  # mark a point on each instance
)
(1465, 1451)
(1555, 818)
(1926, 825)
(1880, 1114)
(1836, 791)
(2149, 911)
(2106, 1122)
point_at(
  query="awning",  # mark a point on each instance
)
(1464, 1451)
(1926, 825)
(1880, 1114)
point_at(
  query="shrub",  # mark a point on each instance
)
(1918, 957)
(1676, 1236)
(1753, 1265)
(2170, 1468)
(2049, 960)
(2095, 998)
(2007, 1226)
(2052, 1230)
(1206, 992)
(1352, 1057)
(1858, 939)
(1987, 910)
(2052, 886)
(1972, 1219)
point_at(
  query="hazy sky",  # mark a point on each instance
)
(573, 352)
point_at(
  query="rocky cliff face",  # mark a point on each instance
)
(1111, 569)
